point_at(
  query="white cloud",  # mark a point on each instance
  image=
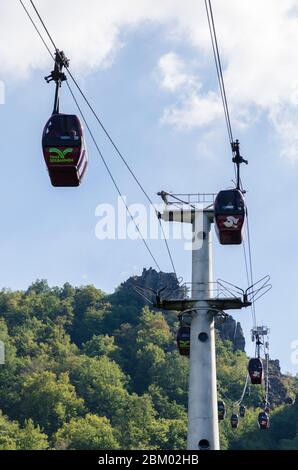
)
(2, 92)
(258, 47)
(285, 120)
(173, 72)
(258, 42)
(192, 107)
(88, 30)
(196, 110)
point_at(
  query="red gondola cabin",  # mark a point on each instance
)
(183, 340)
(64, 150)
(255, 370)
(229, 216)
(263, 420)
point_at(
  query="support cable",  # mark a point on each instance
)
(115, 146)
(238, 403)
(217, 59)
(93, 139)
(99, 122)
(234, 144)
(112, 177)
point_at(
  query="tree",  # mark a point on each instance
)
(50, 400)
(135, 422)
(89, 310)
(149, 358)
(88, 370)
(89, 433)
(153, 328)
(100, 345)
(164, 406)
(31, 438)
(101, 383)
(12, 437)
(289, 444)
(172, 377)
(40, 286)
(8, 431)
(169, 434)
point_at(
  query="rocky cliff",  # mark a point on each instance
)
(278, 393)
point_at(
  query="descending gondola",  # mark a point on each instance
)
(229, 216)
(64, 150)
(221, 408)
(242, 410)
(255, 370)
(183, 340)
(229, 207)
(264, 420)
(63, 141)
(234, 421)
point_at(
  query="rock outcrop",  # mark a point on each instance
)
(151, 279)
(278, 394)
(232, 331)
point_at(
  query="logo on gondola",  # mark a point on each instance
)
(59, 155)
(231, 222)
(184, 344)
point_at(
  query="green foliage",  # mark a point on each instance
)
(91, 432)
(231, 373)
(100, 345)
(85, 370)
(13, 437)
(289, 444)
(50, 400)
(153, 328)
(135, 424)
(250, 437)
(165, 407)
(31, 438)
(100, 382)
(172, 377)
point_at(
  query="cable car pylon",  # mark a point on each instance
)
(204, 305)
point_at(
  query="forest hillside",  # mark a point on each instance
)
(90, 370)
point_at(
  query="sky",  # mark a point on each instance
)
(148, 70)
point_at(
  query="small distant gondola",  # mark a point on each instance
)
(289, 401)
(242, 410)
(229, 216)
(183, 340)
(221, 408)
(255, 370)
(263, 420)
(234, 421)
